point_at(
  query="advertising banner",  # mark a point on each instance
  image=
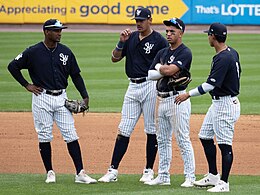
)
(232, 12)
(241, 12)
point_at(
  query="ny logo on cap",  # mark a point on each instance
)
(138, 12)
(58, 23)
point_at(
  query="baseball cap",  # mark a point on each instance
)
(142, 14)
(217, 29)
(178, 23)
(53, 24)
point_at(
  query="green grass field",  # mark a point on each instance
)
(31, 184)
(106, 82)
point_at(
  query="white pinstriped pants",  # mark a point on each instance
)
(173, 118)
(47, 109)
(220, 120)
(139, 98)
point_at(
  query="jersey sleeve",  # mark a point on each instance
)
(74, 67)
(218, 71)
(77, 78)
(21, 60)
(19, 63)
(183, 59)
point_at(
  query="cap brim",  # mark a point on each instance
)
(55, 28)
(139, 18)
(168, 23)
(206, 31)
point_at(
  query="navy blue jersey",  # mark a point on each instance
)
(48, 69)
(225, 73)
(181, 57)
(140, 54)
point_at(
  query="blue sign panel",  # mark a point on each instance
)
(232, 12)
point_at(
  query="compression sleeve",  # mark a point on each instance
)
(200, 90)
(154, 75)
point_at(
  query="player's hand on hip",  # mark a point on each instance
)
(181, 98)
(34, 89)
(125, 34)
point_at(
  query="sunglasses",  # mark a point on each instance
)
(176, 23)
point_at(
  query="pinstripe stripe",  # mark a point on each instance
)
(48, 109)
(220, 120)
(174, 119)
(139, 98)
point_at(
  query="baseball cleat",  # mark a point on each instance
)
(158, 181)
(188, 183)
(148, 175)
(82, 177)
(208, 180)
(110, 176)
(51, 178)
(220, 187)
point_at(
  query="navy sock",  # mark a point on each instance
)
(151, 150)
(75, 153)
(45, 151)
(211, 153)
(119, 150)
(227, 160)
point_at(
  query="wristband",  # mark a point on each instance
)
(120, 45)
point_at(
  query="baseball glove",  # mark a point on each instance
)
(76, 106)
(181, 78)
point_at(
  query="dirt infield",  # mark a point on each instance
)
(97, 131)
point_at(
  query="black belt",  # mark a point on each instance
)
(137, 81)
(54, 93)
(166, 94)
(216, 97)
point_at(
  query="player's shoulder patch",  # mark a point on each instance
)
(179, 62)
(212, 80)
(19, 56)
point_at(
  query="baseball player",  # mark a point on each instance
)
(172, 118)
(223, 85)
(49, 64)
(139, 48)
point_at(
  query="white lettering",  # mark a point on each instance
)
(207, 10)
(250, 11)
(240, 10)
(257, 10)
(236, 8)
